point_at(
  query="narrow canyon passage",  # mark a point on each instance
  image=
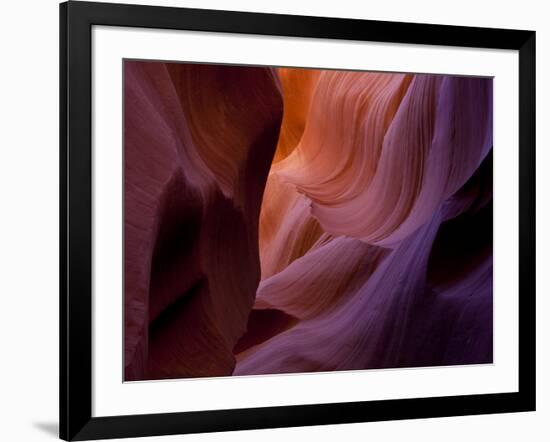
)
(282, 220)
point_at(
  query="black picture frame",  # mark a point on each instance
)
(76, 21)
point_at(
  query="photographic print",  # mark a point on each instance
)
(294, 220)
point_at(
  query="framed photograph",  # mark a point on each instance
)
(274, 220)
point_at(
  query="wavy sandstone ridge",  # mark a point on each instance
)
(349, 228)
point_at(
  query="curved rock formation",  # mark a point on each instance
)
(293, 220)
(199, 140)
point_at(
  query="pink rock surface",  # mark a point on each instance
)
(298, 220)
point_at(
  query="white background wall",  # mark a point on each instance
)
(29, 217)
